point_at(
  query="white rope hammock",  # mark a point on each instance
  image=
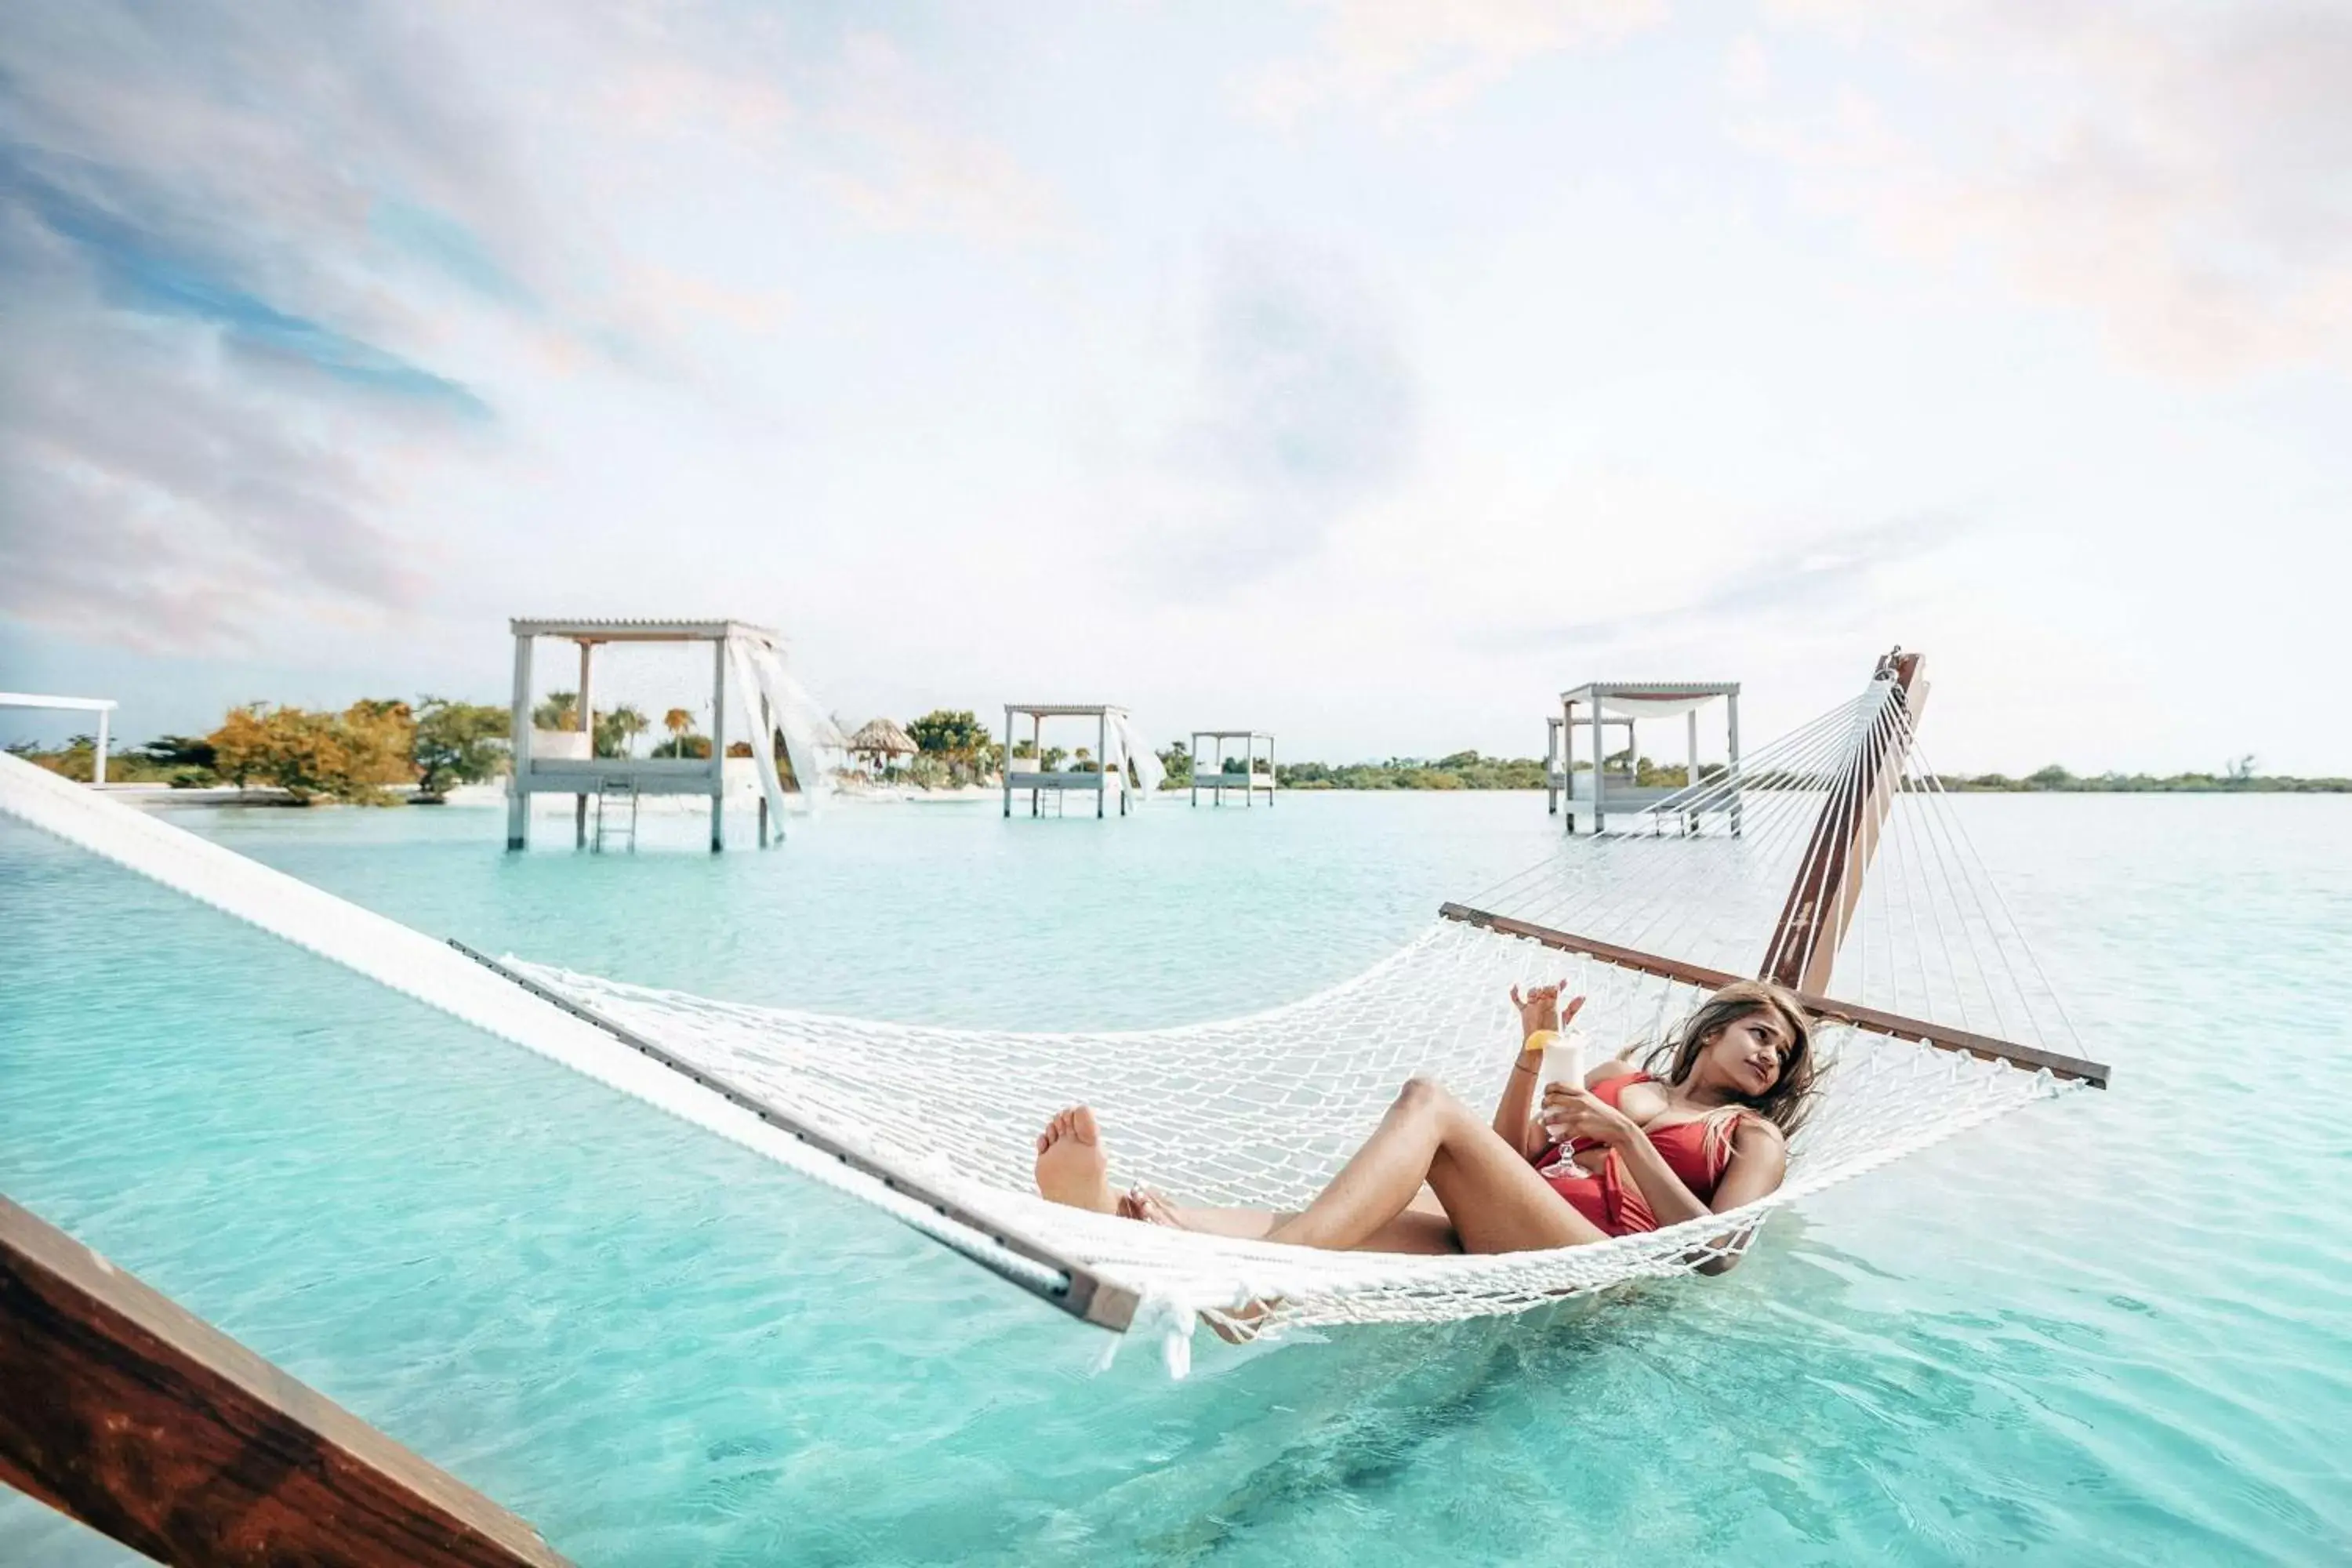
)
(934, 1126)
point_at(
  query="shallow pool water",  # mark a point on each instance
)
(2114, 1328)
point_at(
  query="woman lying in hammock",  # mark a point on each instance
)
(1699, 1128)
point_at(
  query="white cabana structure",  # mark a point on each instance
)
(1249, 781)
(746, 661)
(1114, 754)
(1599, 706)
(101, 706)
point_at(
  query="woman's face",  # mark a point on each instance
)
(1750, 1053)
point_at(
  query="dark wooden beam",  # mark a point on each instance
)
(128, 1413)
(1828, 883)
(1084, 1294)
(1876, 1020)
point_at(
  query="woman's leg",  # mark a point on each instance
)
(1491, 1199)
(1422, 1227)
(1494, 1197)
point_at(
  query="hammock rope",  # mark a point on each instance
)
(934, 1126)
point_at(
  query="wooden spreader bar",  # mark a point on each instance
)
(119, 1408)
(1086, 1295)
(1876, 1020)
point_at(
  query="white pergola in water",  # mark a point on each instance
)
(1246, 780)
(1038, 778)
(1598, 705)
(101, 706)
(565, 762)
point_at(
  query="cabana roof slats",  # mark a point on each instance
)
(1066, 709)
(1670, 690)
(631, 630)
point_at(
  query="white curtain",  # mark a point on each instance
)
(1126, 749)
(805, 727)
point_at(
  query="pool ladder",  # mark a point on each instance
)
(609, 818)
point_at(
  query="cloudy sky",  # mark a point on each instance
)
(1365, 370)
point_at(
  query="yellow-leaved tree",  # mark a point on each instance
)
(349, 755)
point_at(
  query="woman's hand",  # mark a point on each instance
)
(1539, 1008)
(1572, 1112)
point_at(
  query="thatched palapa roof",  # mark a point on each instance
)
(884, 736)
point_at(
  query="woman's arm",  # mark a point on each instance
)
(1540, 1016)
(1515, 1120)
(1759, 1159)
(1664, 1191)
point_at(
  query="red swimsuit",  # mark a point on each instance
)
(1698, 1151)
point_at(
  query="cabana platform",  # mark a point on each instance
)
(1040, 780)
(564, 761)
(1249, 781)
(1600, 706)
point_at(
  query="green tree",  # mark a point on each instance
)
(956, 737)
(948, 732)
(559, 711)
(1176, 765)
(455, 742)
(616, 728)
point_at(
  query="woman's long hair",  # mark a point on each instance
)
(1785, 1103)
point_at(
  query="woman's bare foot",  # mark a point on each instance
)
(1071, 1163)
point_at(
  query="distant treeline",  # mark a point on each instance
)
(1470, 770)
(1461, 770)
(373, 747)
(2055, 780)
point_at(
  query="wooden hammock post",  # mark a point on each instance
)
(1828, 885)
(1875, 1020)
(126, 1412)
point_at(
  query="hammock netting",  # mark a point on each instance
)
(1260, 1112)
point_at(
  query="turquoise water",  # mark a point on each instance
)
(2114, 1329)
